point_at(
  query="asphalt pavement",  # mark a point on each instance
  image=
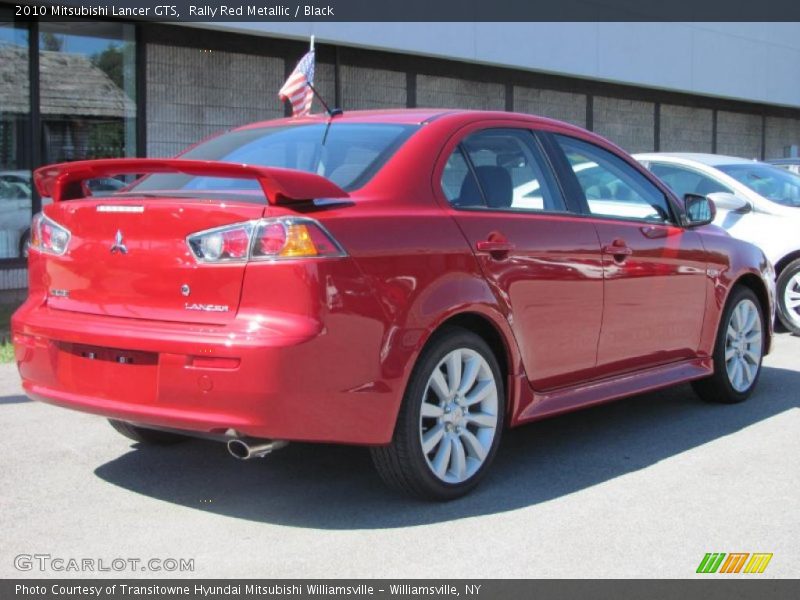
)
(643, 487)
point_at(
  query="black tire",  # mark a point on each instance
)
(402, 464)
(789, 317)
(143, 435)
(718, 388)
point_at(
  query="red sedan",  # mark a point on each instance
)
(413, 280)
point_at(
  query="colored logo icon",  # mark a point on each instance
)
(735, 562)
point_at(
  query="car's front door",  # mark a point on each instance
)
(542, 261)
(654, 269)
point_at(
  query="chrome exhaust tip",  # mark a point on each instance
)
(245, 449)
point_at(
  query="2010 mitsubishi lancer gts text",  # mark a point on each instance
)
(413, 280)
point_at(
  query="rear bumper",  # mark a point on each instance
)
(268, 379)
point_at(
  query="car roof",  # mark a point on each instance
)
(784, 161)
(712, 160)
(413, 116)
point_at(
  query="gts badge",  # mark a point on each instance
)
(58, 293)
(206, 307)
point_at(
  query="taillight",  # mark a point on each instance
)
(223, 244)
(265, 239)
(293, 238)
(48, 236)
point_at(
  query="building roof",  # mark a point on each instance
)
(70, 85)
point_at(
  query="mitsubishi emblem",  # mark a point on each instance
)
(119, 244)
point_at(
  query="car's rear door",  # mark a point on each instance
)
(654, 269)
(542, 261)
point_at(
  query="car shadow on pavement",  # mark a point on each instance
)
(335, 487)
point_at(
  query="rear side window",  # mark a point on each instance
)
(458, 183)
(500, 169)
(684, 181)
(611, 186)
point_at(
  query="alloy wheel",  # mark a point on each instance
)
(459, 415)
(743, 345)
(791, 298)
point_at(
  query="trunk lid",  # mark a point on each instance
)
(155, 276)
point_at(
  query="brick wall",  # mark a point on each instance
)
(447, 92)
(686, 129)
(548, 103)
(364, 88)
(628, 123)
(193, 93)
(780, 134)
(324, 83)
(738, 134)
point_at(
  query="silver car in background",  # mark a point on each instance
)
(16, 196)
(756, 202)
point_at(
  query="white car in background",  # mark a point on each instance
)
(755, 201)
(15, 208)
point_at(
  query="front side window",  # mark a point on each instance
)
(348, 154)
(611, 186)
(511, 173)
(772, 183)
(682, 180)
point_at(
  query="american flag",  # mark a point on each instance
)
(296, 89)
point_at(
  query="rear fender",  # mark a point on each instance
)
(426, 313)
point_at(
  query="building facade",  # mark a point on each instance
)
(80, 90)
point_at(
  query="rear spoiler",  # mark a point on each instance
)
(64, 181)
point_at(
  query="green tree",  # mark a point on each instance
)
(52, 42)
(112, 62)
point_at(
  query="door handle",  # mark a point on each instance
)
(494, 246)
(617, 248)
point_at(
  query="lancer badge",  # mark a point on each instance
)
(206, 307)
(119, 244)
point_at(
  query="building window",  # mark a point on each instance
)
(87, 109)
(87, 74)
(15, 174)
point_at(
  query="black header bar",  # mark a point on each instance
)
(176, 11)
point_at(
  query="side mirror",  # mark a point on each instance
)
(698, 210)
(731, 202)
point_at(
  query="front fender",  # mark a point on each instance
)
(731, 262)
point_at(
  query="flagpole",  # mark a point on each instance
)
(331, 112)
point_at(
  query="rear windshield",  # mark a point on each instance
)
(775, 184)
(348, 154)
